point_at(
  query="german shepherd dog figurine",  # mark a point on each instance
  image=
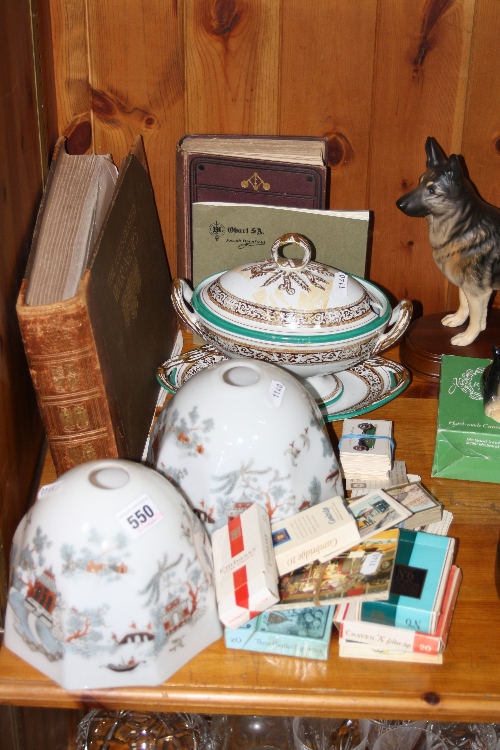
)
(464, 232)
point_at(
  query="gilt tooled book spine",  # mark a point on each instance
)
(236, 179)
(93, 357)
(61, 344)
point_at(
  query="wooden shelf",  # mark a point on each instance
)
(466, 686)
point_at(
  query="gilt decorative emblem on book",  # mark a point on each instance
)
(256, 182)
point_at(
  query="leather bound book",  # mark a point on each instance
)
(93, 356)
(266, 170)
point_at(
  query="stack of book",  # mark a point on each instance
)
(366, 448)
(360, 485)
(363, 564)
(350, 557)
(425, 508)
(414, 622)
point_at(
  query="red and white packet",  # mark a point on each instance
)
(246, 576)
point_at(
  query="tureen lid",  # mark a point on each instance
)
(286, 296)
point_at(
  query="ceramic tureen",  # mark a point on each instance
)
(309, 318)
(111, 579)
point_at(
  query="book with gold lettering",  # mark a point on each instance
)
(263, 170)
(94, 308)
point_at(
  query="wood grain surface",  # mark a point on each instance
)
(481, 133)
(326, 84)
(21, 169)
(220, 680)
(420, 82)
(376, 77)
(232, 66)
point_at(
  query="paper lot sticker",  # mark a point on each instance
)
(139, 516)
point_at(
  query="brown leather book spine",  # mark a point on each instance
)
(70, 386)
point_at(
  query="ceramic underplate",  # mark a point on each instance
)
(364, 387)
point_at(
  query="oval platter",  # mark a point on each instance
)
(366, 386)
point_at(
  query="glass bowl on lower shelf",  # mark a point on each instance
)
(101, 729)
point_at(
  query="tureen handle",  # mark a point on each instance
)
(400, 317)
(182, 295)
(291, 264)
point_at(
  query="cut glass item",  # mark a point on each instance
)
(103, 729)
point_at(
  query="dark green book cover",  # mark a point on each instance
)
(131, 288)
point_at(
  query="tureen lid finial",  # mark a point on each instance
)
(292, 264)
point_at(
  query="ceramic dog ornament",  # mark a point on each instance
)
(464, 232)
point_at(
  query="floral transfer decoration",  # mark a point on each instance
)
(254, 312)
(288, 280)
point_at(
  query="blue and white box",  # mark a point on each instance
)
(304, 633)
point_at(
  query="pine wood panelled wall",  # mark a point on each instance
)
(375, 76)
(481, 133)
(20, 191)
(326, 86)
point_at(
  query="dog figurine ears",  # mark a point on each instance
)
(464, 232)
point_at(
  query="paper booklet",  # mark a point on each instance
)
(226, 235)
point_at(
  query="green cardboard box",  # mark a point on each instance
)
(467, 441)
